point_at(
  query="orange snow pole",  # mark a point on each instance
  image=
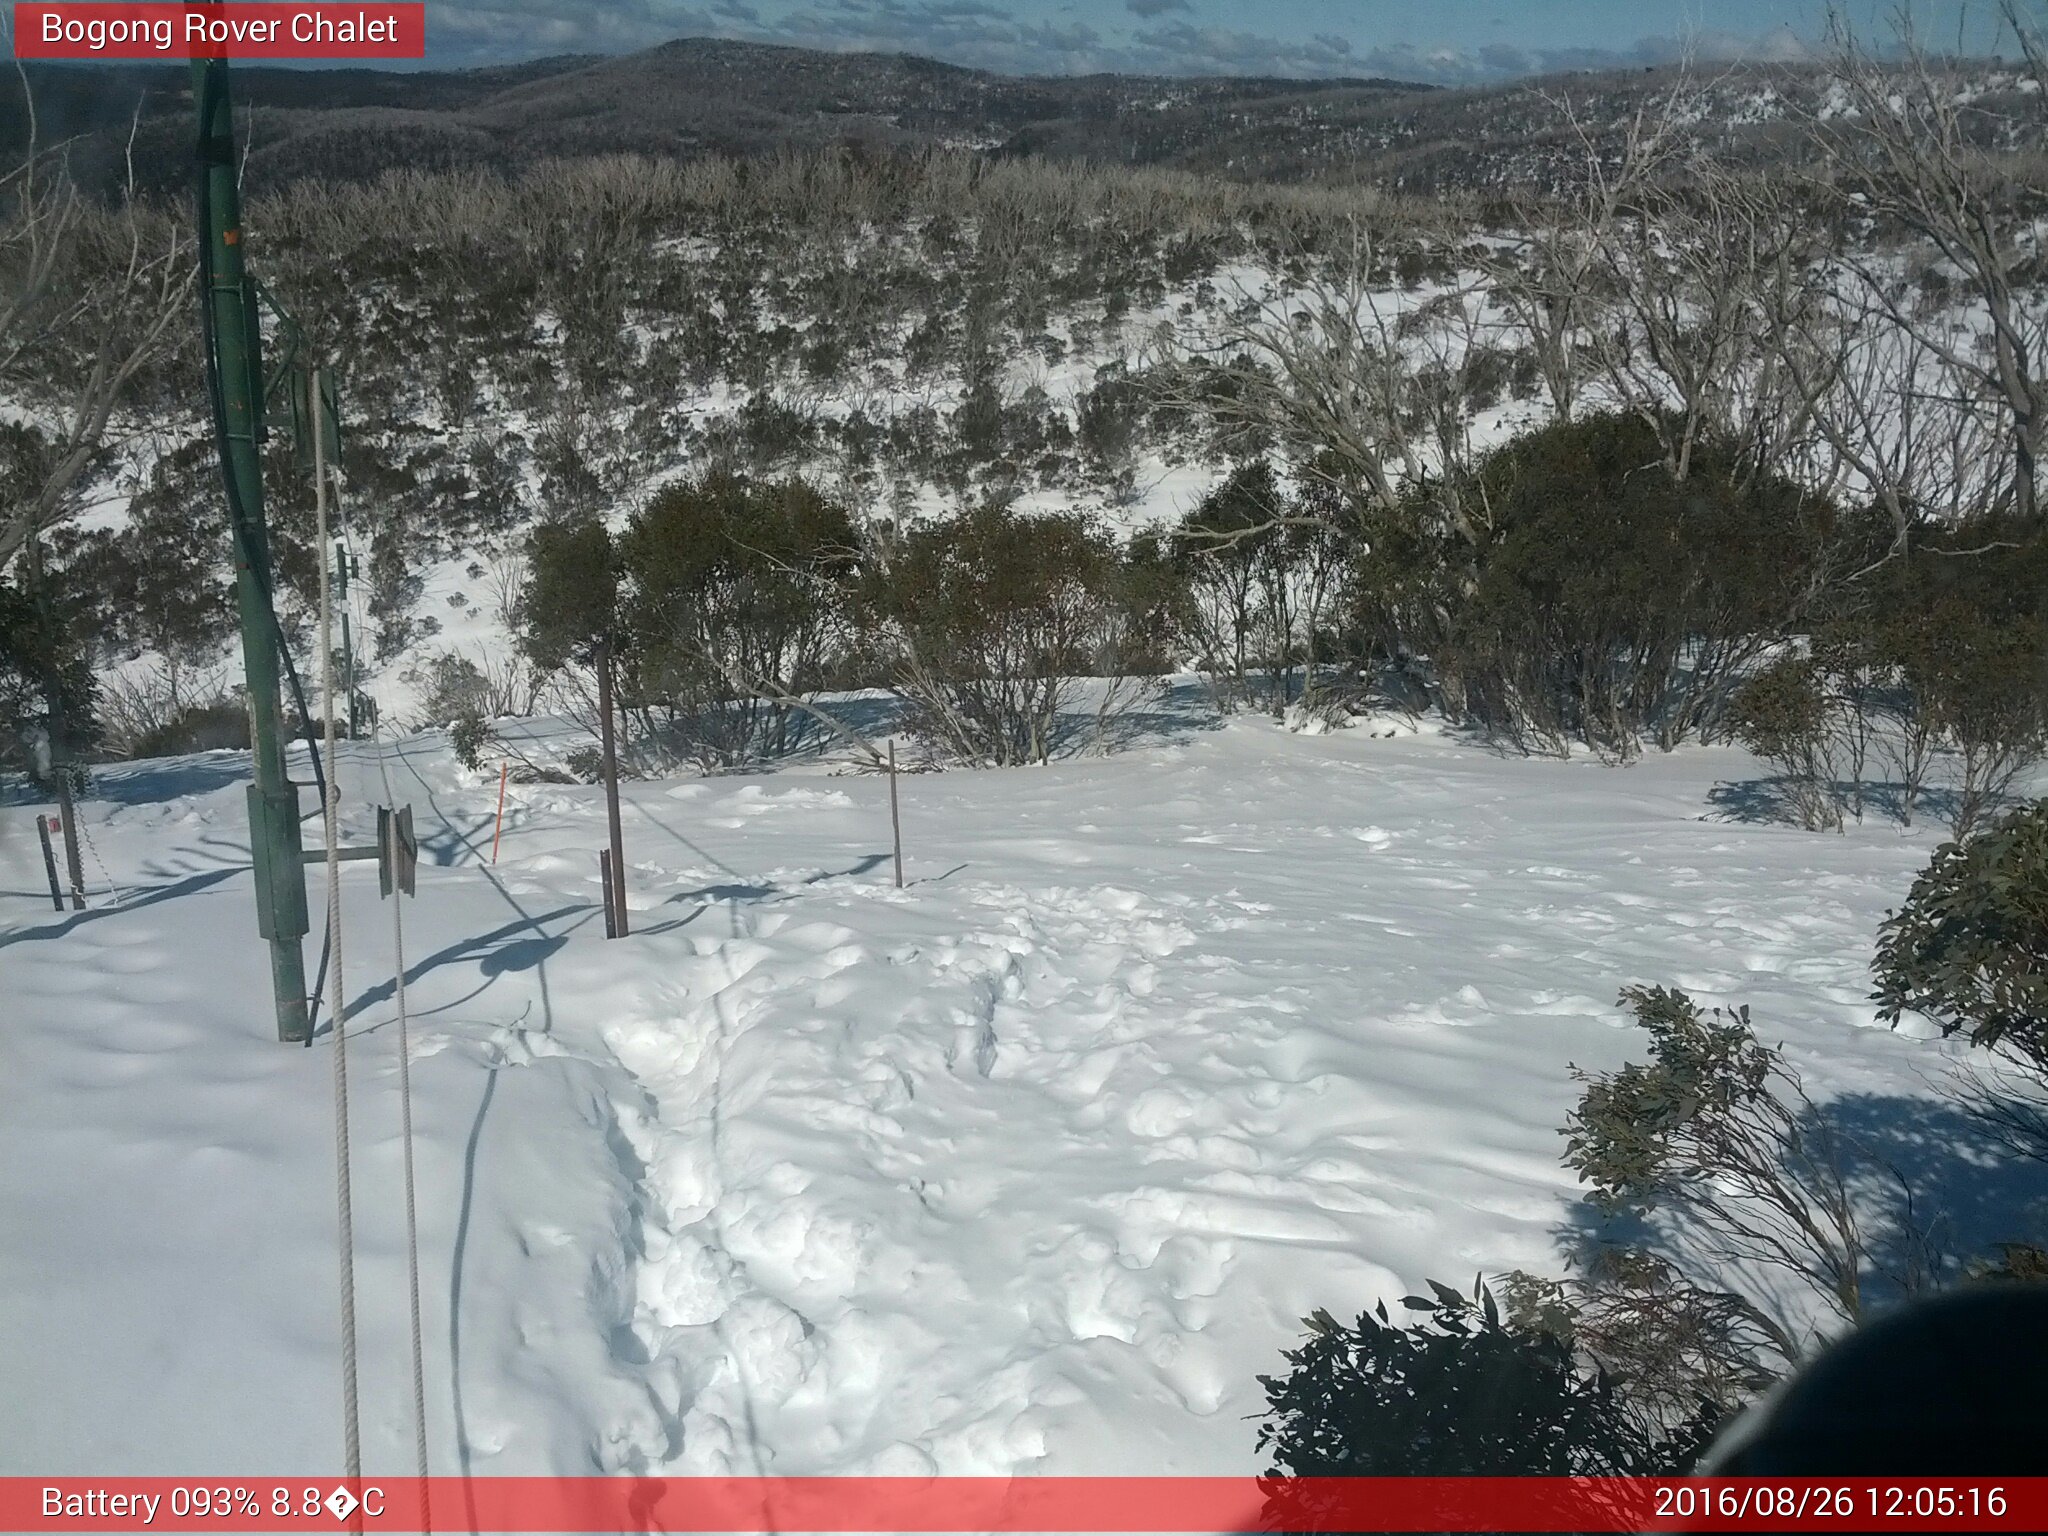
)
(503, 769)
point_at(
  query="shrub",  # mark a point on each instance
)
(570, 599)
(487, 687)
(1106, 422)
(1786, 715)
(1952, 642)
(986, 620)
(1262, 568)
(774, 432)
(1217, 545)
(159, 580)
(469, 736)
(1460, 1394)
(1716, 1136)
(735, 601)
(1149, 610)
(1982, 680)
(1970, 947)
(1681, 1354)
(1717, 1131)
(49, 692)
(1589, 595)
(394, 588)
(1935, 665)
(219, 725)
(465, 696)
(979, 420)
(562, 454)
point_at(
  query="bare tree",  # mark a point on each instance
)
(89, 301)
(1644, 288)
(1540, 274)
(1889, 425)
(1364, 388)
(1915, 152)
(43, 213)
(1547, 272)
(1690, 269)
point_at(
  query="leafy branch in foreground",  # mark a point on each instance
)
(1969, 949)
(1460, 1393)
(1716, 1129)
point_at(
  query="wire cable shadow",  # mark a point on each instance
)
(148, 897)
(485, 949)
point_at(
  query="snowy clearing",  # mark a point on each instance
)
(1031, 1166)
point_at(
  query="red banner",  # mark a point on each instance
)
(77, 29)
(1053, 1504)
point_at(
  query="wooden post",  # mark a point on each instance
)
(609, 746)
(50, 862)
(504, 768)
(604, 879)
(895, 815)
(68, 822)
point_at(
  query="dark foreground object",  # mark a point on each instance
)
(1955, 1386)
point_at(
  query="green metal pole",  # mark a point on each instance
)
(236, 384)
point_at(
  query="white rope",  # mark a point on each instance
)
(351, 1432)
(412, 1224)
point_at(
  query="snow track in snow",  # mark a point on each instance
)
(1034, 1165)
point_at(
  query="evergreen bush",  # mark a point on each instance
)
(986, 622)
(1597, 599)
(1460, 1393)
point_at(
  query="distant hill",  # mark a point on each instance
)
(688, 97)
(696, 96)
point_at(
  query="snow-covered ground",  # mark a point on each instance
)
(1033, 1165)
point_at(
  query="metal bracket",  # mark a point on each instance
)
(295, 380)
(311, 390)
(288, 333)
(399, 851)
(312, 856)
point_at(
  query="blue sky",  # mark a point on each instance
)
(1445, 40)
